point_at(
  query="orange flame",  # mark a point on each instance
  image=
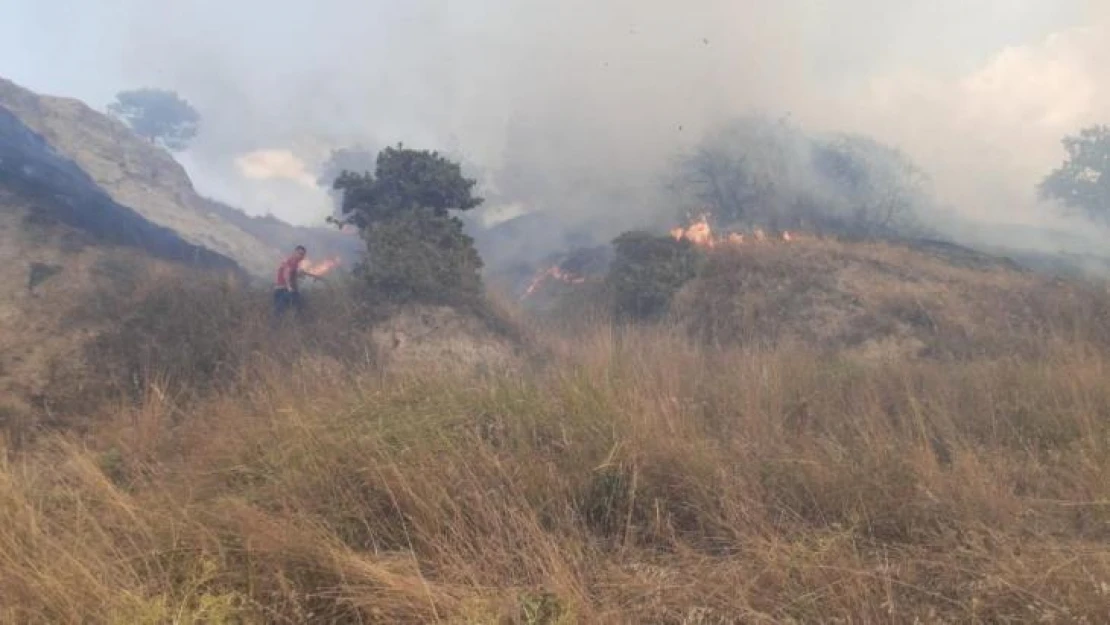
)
(554, 272)
(320, 268)
(700, 234)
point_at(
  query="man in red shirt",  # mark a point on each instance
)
(286, 293)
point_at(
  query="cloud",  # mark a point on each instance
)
(275, 164)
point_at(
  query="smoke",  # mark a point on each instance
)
(989, 135)
(275, 165)
(578, 108)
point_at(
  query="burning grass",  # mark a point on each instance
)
(635, 478)
(701, 234)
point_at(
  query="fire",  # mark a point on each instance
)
(700, 234)
(554, 272)
(320, 268)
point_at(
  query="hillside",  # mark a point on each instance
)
(809, 429)
(860, 299)
(68, 248)
(630, 477)
(282, 237)
(139, 175)
(910, 298)
(819, 431)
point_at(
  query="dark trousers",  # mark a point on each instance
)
(284, 300)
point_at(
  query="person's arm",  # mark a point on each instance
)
(302, 272)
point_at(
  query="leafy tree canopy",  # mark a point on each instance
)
(647, 271)
(158, 115)
(1082, 182)
(416, 250)
(405, 180)
(421, 256)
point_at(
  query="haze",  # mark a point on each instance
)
(575, 106)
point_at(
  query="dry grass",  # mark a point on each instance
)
(634, 477)
(882, 300)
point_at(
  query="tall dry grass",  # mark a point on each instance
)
(636, 478)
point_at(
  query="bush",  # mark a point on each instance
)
(421, 256)
(193, 337)
(647, 271)
(194, 333)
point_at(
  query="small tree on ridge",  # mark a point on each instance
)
(158, 115)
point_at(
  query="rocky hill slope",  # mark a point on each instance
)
(147, 179)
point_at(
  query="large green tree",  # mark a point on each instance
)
(158, 115)
(416, 248)
(1082, 182)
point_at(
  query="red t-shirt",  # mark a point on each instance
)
(287, 273)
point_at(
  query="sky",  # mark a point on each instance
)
(576, 106)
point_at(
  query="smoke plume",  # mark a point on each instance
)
(578, 108)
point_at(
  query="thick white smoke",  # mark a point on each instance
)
(575, 107)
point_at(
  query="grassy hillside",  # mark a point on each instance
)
(68, 250)
(876, 300)
(619, 475)
(66, 287)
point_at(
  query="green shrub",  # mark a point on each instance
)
(421, 256)
(647, 271)
(416, 250)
